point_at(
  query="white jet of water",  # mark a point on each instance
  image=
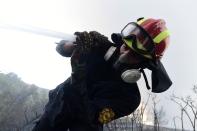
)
(38, 31)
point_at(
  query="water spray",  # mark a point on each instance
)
(38, 31)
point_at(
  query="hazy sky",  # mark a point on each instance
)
(35, 60)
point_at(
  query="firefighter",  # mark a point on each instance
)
(103, 83)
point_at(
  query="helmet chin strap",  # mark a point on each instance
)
(145, 78)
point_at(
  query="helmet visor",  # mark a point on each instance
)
(138, 39)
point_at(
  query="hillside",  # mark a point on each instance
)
(20, 103)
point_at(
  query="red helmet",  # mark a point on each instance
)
(152, 37)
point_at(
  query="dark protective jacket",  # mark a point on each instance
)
(80, 105)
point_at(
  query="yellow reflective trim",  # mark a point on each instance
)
(148, 56)
(140, 46)
(161, 36)
(128, 43)
(106, 115)
(141, 21)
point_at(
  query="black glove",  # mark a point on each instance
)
(86, 43)
(83, 42)
(92, 41)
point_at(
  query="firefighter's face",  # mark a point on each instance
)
(128, 56)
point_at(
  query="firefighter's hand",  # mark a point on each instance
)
(83, 42)
(99, 40)
(92, 41)
(86, 43)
